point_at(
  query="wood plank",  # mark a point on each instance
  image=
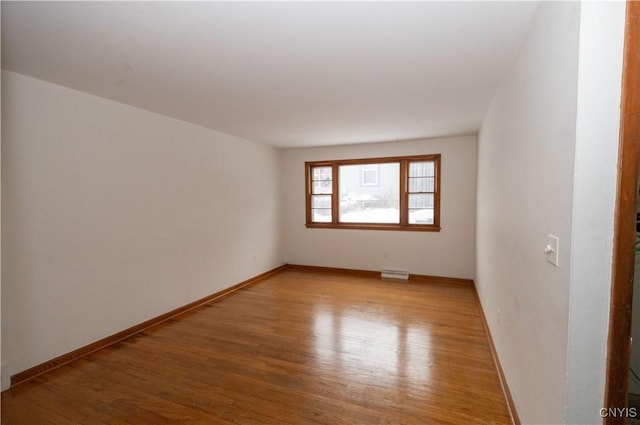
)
(300, 347)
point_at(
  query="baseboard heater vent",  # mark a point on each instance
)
(394, 274)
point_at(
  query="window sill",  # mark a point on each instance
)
(357, 226)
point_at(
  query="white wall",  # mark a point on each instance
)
(449, 252)
(113, 215)
(596, 160)
(525, 189)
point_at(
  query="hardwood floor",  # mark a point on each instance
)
(299, 348)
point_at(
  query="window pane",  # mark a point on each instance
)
(321, 201)
(378, 203)
(421, 169)
(421, 200)
(321, 216)
(321, 173)
(421, 184)
(370, 174)
(321, 187)
(421, 216)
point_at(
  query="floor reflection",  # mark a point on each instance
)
(372, 347)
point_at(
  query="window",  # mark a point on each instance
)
(369, 174)
(399, 193)
(321, 193)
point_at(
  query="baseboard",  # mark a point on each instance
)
(333, 270)
(440, 279)
(64, 359)
(515, 419)
(376, 274)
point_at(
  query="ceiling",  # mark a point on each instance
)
(288, 74)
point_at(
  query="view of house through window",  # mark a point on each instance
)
(399, 193)
(362, 201)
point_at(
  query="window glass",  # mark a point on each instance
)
(420, 185)
(379, 203)
(321, 190)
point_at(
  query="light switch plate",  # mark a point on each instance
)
(552, 249)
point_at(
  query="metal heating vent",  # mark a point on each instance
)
(394, 274)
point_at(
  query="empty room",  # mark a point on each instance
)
(317, 212)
